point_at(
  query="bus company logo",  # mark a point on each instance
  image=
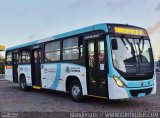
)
(75, 69)
(67, 70)
(37, 46)
(91, 58)
(101, 57)
(92, 36)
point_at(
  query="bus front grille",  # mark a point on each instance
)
(135, 93)
(138, 78)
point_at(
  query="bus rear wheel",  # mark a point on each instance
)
(23, 83)
(76, 91)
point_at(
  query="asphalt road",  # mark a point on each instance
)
(12, 99)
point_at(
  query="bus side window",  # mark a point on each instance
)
(71, 49)
(101, 55)
(91, 54)
(52, 51)
(81, 48)
(24, 57)
(9, 58)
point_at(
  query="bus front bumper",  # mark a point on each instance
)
(116, 92)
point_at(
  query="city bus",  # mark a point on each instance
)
(110, 61)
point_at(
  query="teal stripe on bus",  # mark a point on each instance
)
(58, 74)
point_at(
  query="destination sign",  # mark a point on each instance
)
(127, 30)
(130, 31)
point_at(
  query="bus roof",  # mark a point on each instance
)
(102, 26)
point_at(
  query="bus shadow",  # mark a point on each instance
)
(124, 103)
(91, 101)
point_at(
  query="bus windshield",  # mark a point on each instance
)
(133, 55)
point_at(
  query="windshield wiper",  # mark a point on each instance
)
(131, 45)
(142, 43)
(141, 51)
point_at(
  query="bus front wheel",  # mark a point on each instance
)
(23, 83)
(76, 91)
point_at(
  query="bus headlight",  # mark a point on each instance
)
(119, 82)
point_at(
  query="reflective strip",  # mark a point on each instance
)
(36, 87)
(8, 67)
(97, 96)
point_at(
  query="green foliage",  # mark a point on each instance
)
(159, 58)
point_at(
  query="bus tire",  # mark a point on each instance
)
(76, 91)
(23, 83)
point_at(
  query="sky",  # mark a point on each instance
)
(23, 21)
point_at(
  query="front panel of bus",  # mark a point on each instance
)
(131, 62)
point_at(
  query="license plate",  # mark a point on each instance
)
(141, 94)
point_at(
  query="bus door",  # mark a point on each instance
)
(36, 67)
(15, 67)
(96, 68)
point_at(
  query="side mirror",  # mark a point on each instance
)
(114, 44)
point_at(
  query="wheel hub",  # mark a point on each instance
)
(75, 91)
(22, 84)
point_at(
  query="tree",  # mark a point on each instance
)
(159, 58)
(1, 66)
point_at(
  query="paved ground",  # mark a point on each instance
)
(12, 99)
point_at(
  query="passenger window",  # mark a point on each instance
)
(91, 53)
(52, 51)
(71, 49)
(101, 53)
(9, 58)
(25, 57)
